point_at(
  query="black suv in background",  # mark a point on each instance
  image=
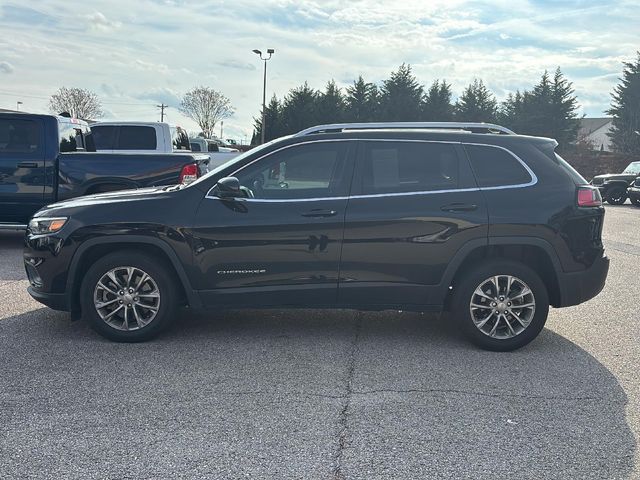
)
(613, 186)
(471, 218)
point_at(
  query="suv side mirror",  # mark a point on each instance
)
(228, 187)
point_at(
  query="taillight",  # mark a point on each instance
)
(189, 173)
(589, 197)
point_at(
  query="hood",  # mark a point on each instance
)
(616, 176)
(121, 196)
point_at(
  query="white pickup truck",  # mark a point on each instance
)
(217, 154)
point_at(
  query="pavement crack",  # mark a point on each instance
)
(344, 411)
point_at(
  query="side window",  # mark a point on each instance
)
(103, 136)
(19, 136)
(313, 170)
(133, 137)
(398, 167)
(212, 146)
(195, 147)
(179, 139)
(495, 167)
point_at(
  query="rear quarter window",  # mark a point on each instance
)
(19, 136)
(103, 136)
(496, 167)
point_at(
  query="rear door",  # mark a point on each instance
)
(414, 204)
(22, 168)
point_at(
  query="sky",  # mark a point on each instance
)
(137, 54)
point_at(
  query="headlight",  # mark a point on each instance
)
(44, 225)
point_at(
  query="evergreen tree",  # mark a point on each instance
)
(563, 117)
(625, 110)
(437, 106)
(299, 110)
(362, 101)
(331, 105)
(476, 104)
(273, 119)
(401, 96)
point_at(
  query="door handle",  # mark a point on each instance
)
(459, 207)
(28, 165)
(320, 213)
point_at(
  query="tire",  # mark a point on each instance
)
(636, 201)
(147, 310)
(509, 334)
(616, 195)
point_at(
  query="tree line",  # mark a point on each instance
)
(548, 109)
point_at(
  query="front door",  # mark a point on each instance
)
(22, 168)
(281, 245)
(413, 205)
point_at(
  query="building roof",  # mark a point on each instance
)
(590, 125)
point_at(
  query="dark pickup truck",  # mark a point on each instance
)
(47, 158)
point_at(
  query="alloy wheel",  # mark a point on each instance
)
(502, 306)
(127, 298)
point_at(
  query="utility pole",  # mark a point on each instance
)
(221, 127)
(18, 105)
(162, 106)
(270, 51)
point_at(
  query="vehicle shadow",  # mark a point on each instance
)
(10, 251)
(376, 382)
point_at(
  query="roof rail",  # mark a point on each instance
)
(467, 126)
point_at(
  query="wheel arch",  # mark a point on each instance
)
(535, 253)
(98, 247)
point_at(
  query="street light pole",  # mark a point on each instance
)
(270, 52)
(18, 105)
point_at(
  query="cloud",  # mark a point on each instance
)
(164, 95)
(6, 67)
(231, 63)
(99, 22)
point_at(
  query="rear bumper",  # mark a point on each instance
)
(56, 301)
(578, 287)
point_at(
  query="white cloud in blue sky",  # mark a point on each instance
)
(135, 54)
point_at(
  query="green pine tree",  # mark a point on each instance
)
(273, 119)
(625, 110)
(362, 101)
(331, 105)
(437, 106)
(299, 110)
(476, 104)
(401, 97)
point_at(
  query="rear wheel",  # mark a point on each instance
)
(501, 305)
(636, 201)
(128, 297)
(616, 195)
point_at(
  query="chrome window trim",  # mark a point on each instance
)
(533, 181)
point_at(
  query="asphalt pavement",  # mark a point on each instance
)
(319, 395)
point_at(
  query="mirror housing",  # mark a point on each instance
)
(228, 187)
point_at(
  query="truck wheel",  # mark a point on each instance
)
(616, 195)
(128, 297)
(636, 201)
(501, 305)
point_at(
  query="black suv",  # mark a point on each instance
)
(470, 218)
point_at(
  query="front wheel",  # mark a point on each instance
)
(128, 297)
(501, 305)
(636, 201)
(616, 195)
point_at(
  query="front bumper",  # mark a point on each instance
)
(578, 287)
(55, 301)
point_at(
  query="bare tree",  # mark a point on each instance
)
(206, 107)
(78, 102)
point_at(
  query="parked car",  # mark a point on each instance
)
(139, 137)
(217, 154)
(46, 158)
(633, 192)
(419, 216)
(613, 186)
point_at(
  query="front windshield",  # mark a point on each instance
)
(633, 168)
(237, 159)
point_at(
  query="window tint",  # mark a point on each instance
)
(397, 167)
(179, 139)
(496, 167)
(313, 170)
(213, 146)
(19, 136)
(103, 136)
(195, 147)
(71, 137)
(133, 137)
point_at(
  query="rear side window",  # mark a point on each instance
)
(179, 139)
(72, 137)
(19, 136)
(103, 136)
(134, 137)
(495, 167)
(195, 147)
(397, 167)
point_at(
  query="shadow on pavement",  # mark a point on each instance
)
(265, 394)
